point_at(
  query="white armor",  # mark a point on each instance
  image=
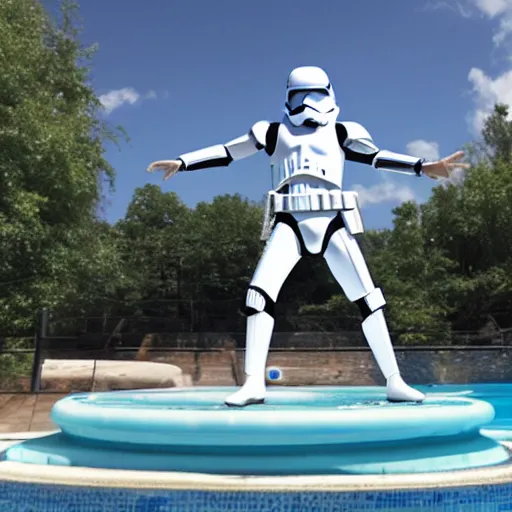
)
(303, 153)
(308, 213)
(223, 154)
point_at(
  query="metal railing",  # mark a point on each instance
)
(122, 337)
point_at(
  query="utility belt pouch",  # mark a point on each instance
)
(269, 217)
(351, 213)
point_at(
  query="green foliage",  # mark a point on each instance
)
(497, 135)
(152, 239)
(15, 367)
(470, 224)
(224, 247)
(413, 274)
(52, 166)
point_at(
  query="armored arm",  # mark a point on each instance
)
(222, 155)
(358, 146)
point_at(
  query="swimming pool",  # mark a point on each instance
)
(36, 488)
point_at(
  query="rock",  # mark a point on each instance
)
(104, 375)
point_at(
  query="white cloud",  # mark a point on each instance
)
(423, 149)
(493, 7)
(500, 10)
(496, 10)
(116, 98)
(385, 192)
(487, 92)
(458, 7)
(457, 177)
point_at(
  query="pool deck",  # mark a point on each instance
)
(27, 412)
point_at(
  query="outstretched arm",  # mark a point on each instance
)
(220, 155)
(358, 146)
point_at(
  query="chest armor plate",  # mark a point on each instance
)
(305, 155)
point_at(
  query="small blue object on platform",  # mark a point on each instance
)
(341, 430)
(274, 374)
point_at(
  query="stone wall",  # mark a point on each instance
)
(347, 367)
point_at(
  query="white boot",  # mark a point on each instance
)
(377, 336)
(252, 392)
(259, 334)
(399, 391)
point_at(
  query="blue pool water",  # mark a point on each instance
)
(16, 497)
(497, 394)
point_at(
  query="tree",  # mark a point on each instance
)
(154, 244)
(226, 233)
(224, 248)
(469, 224)
(497, 134)
(52, 165)
(414, 275)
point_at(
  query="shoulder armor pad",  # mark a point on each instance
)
(259, 132)
(358, 138)
(356, 131)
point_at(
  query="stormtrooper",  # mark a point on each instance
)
(309, 214)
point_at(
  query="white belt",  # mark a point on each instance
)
(322, 200)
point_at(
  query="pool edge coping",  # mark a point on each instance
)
(17, 472)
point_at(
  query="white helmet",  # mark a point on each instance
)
(310, 97)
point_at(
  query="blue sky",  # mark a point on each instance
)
(181, 75)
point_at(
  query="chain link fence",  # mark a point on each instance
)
(160, 329)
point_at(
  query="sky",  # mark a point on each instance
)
(180, 75)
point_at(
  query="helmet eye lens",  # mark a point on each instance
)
(316, 99)
(319, 101)
(296, 98)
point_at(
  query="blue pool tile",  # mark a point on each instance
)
(35, 498)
